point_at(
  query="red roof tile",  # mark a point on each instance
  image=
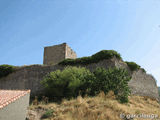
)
(8, 96)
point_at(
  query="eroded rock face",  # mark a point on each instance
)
(29, 77)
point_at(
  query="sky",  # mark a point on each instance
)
(131, 27)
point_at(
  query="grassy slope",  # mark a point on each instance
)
(101, 107)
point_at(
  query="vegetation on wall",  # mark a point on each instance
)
(72, 81)
(104, 54)
(143, 70)
(133, 66)
(6, 70)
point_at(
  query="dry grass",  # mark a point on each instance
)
(101, 107)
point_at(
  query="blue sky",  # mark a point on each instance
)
(132, 27)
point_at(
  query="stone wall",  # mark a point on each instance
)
(29, 78)
(110, 63)
(143, 84)
(55, 54)
(70, 53)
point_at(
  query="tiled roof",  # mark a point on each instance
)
(9, 96)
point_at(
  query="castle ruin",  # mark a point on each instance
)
(29, 77)
(57, 53)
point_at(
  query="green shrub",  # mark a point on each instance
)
(133, 66)
(65, 83)
(100, 83)
(6, 70)
(112, 79)
(72, 80)
(104, 54)
(47, 114)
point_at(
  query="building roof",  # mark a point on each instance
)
(9, 96)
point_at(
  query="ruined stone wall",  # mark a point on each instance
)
(57, 53)
(143, 84)
(29, 78)
(70, 53)
(54, 54)
(110, 63)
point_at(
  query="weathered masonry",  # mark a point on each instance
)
(29, 77)
(55, 54)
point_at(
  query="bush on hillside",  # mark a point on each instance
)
(112, 79)
(65, 83)
(104, 54)
(6, 70)
(72, 81)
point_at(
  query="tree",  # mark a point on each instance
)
(115, 79)
(66, 83)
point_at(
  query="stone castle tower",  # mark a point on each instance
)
(57, 53)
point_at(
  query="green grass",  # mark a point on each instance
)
(47, 114)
